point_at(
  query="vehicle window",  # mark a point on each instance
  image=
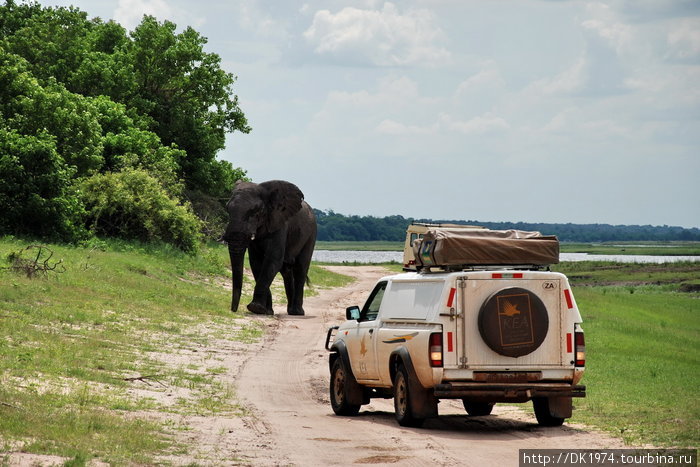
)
(371, 308)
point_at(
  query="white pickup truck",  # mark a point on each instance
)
(482, 334)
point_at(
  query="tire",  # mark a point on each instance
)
(402, 400)
(339, 388)
(478, 409)
(513, 322)
(543, 414)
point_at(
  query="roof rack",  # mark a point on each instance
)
(482, 267)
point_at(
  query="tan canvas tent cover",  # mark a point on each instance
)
(455, 247)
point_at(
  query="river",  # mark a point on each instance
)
(371, 257)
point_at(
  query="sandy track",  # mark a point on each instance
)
(290, 421)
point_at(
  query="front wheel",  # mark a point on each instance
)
(543, 412)
(402, 400)
(338, 390)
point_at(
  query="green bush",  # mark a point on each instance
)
(132, 204)
(36, 195)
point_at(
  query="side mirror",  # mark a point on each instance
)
(352, 312)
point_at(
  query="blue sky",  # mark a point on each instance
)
(491, 110)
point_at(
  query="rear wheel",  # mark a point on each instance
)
(338, 390)
(402, 400)
(543, 413)
(478, 409)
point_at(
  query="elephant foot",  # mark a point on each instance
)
(295, 311)
(258, 309)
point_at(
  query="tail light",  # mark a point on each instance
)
(435, 350)
(580, 349)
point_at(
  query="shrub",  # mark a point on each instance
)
(132, 204)
(36, 193)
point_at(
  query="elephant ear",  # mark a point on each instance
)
(283, 201)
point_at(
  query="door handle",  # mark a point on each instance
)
(371, 331)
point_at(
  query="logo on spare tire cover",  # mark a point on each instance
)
(513, 322)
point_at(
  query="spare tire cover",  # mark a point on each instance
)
(513, 322)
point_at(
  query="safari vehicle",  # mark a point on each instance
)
(415, 231)
(483, 319)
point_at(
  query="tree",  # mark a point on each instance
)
(98, 107)
(30, 109)
(188, 96)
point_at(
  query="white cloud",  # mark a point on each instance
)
(130, 13)
(252, 16)
(480, 125)
(684, 40)
(383, 37)
(488, 78)
(446, 124)
(605, 23)
(394, 128)
(569, 81)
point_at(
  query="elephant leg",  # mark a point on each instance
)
(266, 263)
(296, 297)
(300, 271)
(262, 297)
(288, 276)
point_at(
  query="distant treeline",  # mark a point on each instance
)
(338, 227)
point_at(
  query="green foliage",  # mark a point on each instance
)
(30, 108)
(133, 204)
(80, 98)
(127, 145)
(337, 227)
(36, 196)
(94, 100)
(184, 89)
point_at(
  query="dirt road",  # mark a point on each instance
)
(289, 420)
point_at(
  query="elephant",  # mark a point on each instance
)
(278, 228)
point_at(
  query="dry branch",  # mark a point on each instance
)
(40, 264)
(145, 379)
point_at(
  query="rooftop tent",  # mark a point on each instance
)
(444, 247)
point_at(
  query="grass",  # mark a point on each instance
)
(643, 351)
(634, 248)
(668, 277)
(74, 340)
(70, 342)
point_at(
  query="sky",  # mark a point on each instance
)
(492, 110)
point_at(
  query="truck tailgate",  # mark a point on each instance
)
(519, 319)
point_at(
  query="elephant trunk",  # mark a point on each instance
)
(237, 254)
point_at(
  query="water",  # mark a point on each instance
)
(342, 256)
(372, 257)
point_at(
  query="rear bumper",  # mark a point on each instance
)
(504, 392)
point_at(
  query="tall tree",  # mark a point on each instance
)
(188, 96)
